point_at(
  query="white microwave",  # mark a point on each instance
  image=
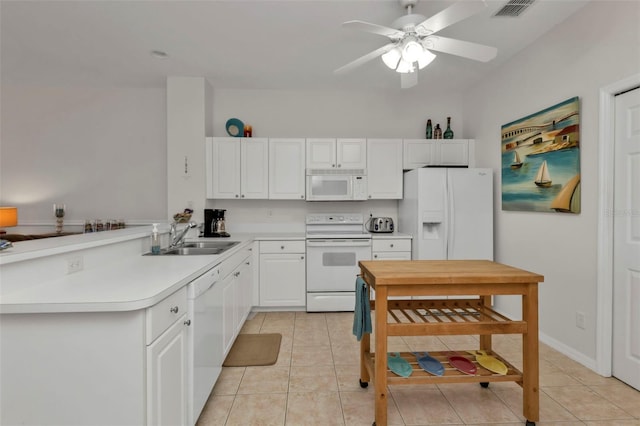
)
(334, 186)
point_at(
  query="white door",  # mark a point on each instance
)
(626, 246)
(254, 168)
(321, 153)
(286, 169)
(384, 168)
(225, 168)
(351, 153)
(418, 153)
(282, 279)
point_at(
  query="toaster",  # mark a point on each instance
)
(380, 224)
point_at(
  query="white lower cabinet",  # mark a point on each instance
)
(236, 292)
(167, 376)
(282, 273)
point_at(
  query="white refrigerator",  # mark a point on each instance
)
(449, 213)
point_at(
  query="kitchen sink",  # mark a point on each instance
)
(224, 245)
(198, 248)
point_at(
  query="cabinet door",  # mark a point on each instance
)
(321, 153)
(167, 377)
(384, 168)
(351, 153)
(229, 312)
(453, 152)
(226, 168)
(244, 291)
(254, 168)
(287, 169)
(418, 153)
(282, 279)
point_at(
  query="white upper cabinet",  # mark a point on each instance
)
(328, 153)
(237, 168)
(438, 152)
(384, 168)
(287, 169)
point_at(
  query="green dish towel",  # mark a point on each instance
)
(399, 365)
(362, 311)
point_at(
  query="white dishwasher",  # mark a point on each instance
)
(204, 337)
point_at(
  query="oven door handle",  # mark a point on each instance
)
(338, 243)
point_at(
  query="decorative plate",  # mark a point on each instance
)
(235, 127)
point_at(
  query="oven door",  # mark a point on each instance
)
(332, 264)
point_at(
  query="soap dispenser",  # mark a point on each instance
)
(155, 240)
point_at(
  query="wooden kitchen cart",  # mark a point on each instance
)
(448, 316)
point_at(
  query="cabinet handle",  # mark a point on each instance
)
(333, 165)
(391, 245)
(174, 309)
(302, 257)
(375, 256)
(242, 196)
(281, 247)
(237, 274)
(187, 322)
(339, 165)
(369, 195)
(302, 197)
(247, 263)
(236, 195)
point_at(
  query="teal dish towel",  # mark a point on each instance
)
(362, 311)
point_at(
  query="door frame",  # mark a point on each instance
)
(604, 291)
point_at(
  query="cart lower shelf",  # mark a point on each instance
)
(451, 374)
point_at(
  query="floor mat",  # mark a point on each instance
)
(254, 349)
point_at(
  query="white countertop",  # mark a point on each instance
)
(389, 235)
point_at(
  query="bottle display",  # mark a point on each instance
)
(155, 240)
(448, 133)
(429, 132)
(437, 133)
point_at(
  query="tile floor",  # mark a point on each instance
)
(315, 382)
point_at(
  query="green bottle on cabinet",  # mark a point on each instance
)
(448, 134)
(429, 133)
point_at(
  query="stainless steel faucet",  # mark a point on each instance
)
(176, 240)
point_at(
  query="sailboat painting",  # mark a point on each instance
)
(541, 160)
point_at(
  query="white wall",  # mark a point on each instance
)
(577, 58)
(101, 151)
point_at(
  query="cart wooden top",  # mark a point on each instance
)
(420, 272)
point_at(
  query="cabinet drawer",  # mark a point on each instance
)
(161, 315)
(391, 245)
(282, 246)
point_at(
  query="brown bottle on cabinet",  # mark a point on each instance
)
(437, 133)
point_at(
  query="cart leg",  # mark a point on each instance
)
(381, 356)
(530, 364)
(365, 347)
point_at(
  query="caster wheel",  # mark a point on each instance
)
(364, 385)
(484, 384)
(530, 423)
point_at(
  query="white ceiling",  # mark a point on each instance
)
(236, 44)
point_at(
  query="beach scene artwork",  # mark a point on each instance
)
(541, 160)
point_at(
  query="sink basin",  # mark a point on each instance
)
(225, 245)
(184, 251)
(199, 248)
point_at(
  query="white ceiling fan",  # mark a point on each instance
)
(413, 38)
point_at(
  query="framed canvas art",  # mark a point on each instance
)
(541, 160)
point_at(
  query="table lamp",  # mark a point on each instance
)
(8, 217)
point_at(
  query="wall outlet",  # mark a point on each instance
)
(581, 320)
(75, 264)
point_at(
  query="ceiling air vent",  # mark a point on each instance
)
(514, 8)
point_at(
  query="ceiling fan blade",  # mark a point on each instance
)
(466, 49)
(408, 79)
(375, 29)
(363, 59)
(455, 13)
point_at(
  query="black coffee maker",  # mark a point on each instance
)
(214, 225)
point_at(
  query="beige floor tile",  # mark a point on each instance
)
(316, 378)
(216, 410)
(557, 379)
(622, 395)
(314, 408)
(358, 409)
(424, 343)
(302, 356)
(585, 403)
(310, 337)
(634, 422)
(348, 376)
(264, 380)
(424, 405)
(258, 409)
(475, 404)
(346, 354)
(550, 410)
(229, 381)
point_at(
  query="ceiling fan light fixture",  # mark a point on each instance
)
(392, 57)
(411, 50)
(425, 58)
(405, 67)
